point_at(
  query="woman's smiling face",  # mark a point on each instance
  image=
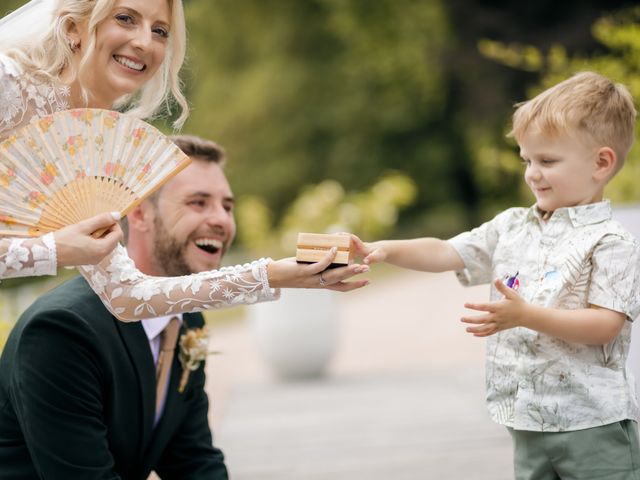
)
(130, 47)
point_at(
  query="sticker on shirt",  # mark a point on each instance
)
(550, 286)
(551, 278)
(512, 281)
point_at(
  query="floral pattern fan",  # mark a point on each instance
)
(74, 164)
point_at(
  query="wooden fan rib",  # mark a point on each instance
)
(35, 133)
(18, 222)
(164, 155)
(106, 193)
(132, 148)
(120, 133)
(82, 124)
(145, 156)
(142, 158)
(20, 233)
(22, 173)
(77, 128)
(56, 213)
(50, 141)
(53, 139)
(121, 196)
(28, 167)
(93, 164)
(109, 196)
(111, 145)
(144, 195)
(74, 127)
(20, 215)
(177, 161)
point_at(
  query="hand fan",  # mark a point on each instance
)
(74, 164)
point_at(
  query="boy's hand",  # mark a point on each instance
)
(501, 315)
(370, 252)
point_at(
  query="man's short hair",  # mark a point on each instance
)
(198, 148)
(587, 103)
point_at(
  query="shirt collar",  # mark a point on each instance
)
(154, 326)
(589, 214)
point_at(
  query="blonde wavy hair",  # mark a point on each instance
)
(593, 106)
(47, 59)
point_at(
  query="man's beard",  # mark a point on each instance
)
(168, 252)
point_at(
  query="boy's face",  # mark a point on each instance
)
(560, 170)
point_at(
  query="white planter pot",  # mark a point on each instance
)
(297, 334)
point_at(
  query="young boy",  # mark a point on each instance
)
(566, 286)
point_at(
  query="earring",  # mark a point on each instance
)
(74, 46)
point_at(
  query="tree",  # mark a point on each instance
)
(619, 34)
(299, 92)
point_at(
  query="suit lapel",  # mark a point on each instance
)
(137, 344)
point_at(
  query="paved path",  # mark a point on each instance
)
(397, 426)
(403, 399)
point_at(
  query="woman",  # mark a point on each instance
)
(126, 54)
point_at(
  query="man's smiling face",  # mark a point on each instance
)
(193, 220)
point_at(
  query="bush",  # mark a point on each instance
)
(619, 35)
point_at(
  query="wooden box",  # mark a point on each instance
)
(311, 247)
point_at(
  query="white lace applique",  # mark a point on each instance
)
(26, 257)
(130, 295)
(22, 98)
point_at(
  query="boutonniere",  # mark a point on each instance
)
(194, 348)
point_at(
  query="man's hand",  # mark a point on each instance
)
(501, 315)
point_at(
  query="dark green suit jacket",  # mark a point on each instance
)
(77, 399)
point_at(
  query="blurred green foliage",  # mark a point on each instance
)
(303, 91)
(620, 61)
(299, 92)
(325, 208)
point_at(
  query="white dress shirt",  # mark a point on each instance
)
(153, 327)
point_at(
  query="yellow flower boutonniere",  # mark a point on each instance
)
(194, 348)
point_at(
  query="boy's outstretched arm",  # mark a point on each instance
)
(424, 254)
(589, 326)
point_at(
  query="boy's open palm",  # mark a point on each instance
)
(500, 315)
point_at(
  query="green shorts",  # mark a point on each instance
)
(610, 452)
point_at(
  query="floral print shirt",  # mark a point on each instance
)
(124, 290)
(579, 257)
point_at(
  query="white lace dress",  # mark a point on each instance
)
(124, 290)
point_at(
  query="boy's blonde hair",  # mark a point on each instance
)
(588, 103)
(47, 58)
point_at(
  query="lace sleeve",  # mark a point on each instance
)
(25, 257)
(22, 97)
(130, 295)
